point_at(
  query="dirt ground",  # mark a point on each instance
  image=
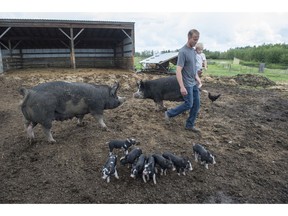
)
(246, 129)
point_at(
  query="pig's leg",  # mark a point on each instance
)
(29, 128)
(165, 172)
(196, 156)
(99, 118)
(154, 178)
(144, 178)
(80, 122)
(47, 130)
(160, 106)
(116, 174)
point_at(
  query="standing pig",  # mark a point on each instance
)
(109, 168)
(64, 100)
(205, 156)
(181, 164)
(166, 88)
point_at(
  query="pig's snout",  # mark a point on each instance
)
(138, 95)
(121, 99)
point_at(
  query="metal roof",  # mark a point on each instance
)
(64, 23)
(160, 58)
(35, 33)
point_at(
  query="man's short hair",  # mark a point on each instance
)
(193, 32)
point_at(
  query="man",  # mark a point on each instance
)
(189, 82)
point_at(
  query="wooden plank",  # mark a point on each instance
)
(73, 62)
(5, 32)
(1, 62)
(79, 33)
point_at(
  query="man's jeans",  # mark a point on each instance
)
(191, 102)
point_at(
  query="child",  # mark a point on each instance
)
(200, 59)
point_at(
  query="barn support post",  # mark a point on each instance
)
(72, 53)
(10, 48)
(133, 47)
(1, 62)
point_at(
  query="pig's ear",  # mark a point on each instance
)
(114, 88)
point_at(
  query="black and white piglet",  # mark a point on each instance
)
(205, 156)
(131, 156)
(149, 169)
(121, 144)
(163, 163)
(181, 164)
(138, 166)
(109, 168)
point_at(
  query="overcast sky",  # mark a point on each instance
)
(219, 31)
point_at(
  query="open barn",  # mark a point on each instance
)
(60, 43)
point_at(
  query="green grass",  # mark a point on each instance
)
(226, 68)
(137, 62)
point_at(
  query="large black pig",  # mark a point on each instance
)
(166, 88)
(64, 100)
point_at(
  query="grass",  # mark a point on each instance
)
(226, 68)
(137, 62)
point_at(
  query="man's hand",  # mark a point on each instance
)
(183, 91)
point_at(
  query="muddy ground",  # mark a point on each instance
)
(246, 129)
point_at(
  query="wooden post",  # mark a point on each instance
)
(1, 62)
(10, 48)
(133, 47)
(72, 51)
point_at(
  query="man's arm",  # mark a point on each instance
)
(180, 80)
(197, 78)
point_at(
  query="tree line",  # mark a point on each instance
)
(266, 53)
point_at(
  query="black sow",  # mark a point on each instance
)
(64, 100)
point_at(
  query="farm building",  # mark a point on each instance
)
(66, 43)
(160, 62)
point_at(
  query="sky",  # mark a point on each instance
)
(220, 29)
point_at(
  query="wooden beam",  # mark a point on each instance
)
(79, 33)
(16, 44)
(5, 32)
(1, 62)
(65, 44)
(65, 33)
(4, 45)
(133, 42)
(126, 33)
(26, 38)
(10, 47)
(72, 54)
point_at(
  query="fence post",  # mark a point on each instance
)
(261, 67)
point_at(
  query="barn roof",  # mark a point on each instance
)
(160, 58)
(42, 33)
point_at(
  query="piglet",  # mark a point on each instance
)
(109, 168)
(205, 156)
